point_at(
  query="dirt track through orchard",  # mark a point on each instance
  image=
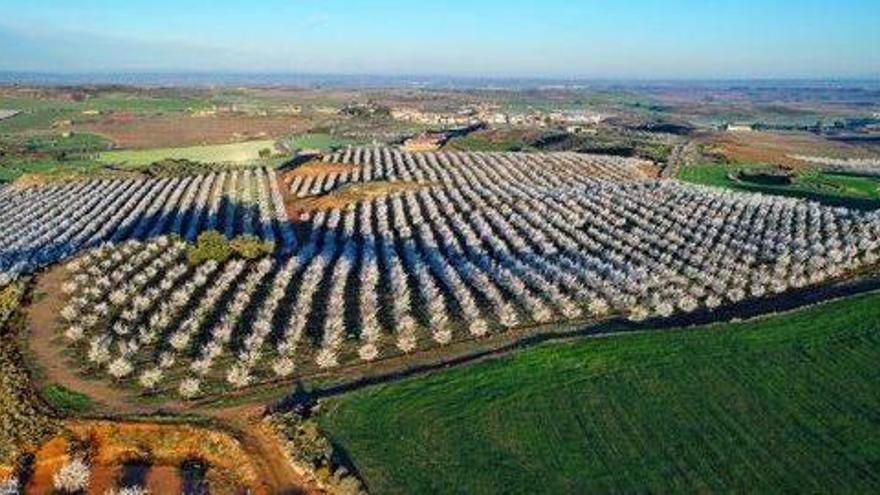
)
(44, 341)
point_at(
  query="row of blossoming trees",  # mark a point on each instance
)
(482, 244)
(42, 225)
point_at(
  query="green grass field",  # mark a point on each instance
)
(41, 113)
(219, 153)
(824, 187)
(784, 404)
(53, 143)
(116, 101)
(319, 141)
(14, 168)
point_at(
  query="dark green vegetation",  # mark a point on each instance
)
(787, 403)
(12, 169)
(66, 400)
(57, 145)
(606, 141)
(48, 153)
(824, 187)
(24, 419)
(212, 245)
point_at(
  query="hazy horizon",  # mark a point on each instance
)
(638, 40)
(432, 81)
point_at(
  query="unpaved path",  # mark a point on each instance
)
(45, 342)
(261, 445)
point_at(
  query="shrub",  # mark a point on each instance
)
(250, 247)
(180, 167)
(25, 420)
(308, 447)
(210, 245)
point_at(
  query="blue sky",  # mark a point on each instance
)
(550, 38)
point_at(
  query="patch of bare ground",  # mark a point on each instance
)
(317, 168)
(342, 196)
(350, 194)
(649, 171)
(46, 345)
(161, 448)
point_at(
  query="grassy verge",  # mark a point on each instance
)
(783, 403)
(824, 187)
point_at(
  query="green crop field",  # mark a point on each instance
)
(41, 113)
(316, 141)
(789, 403)
(220, 153)
(824, 187)
(107, 101)
(75, 143)
(14, 168)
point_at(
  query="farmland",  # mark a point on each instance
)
(248, 151)
(475, 245)
(315, 142)
(145, 132)
(783, 403)
(172, 273)
(830, 188)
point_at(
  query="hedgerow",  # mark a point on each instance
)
(24, 419)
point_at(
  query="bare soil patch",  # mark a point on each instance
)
(46, 344)
(163, 447)
(350, 194)
(341, 197)
(650, 171)
(316, 169)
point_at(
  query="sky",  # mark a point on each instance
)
(626, 39)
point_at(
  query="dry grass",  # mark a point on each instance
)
(341, 197)
(317, 169)
(351, 194)
(650, 171)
